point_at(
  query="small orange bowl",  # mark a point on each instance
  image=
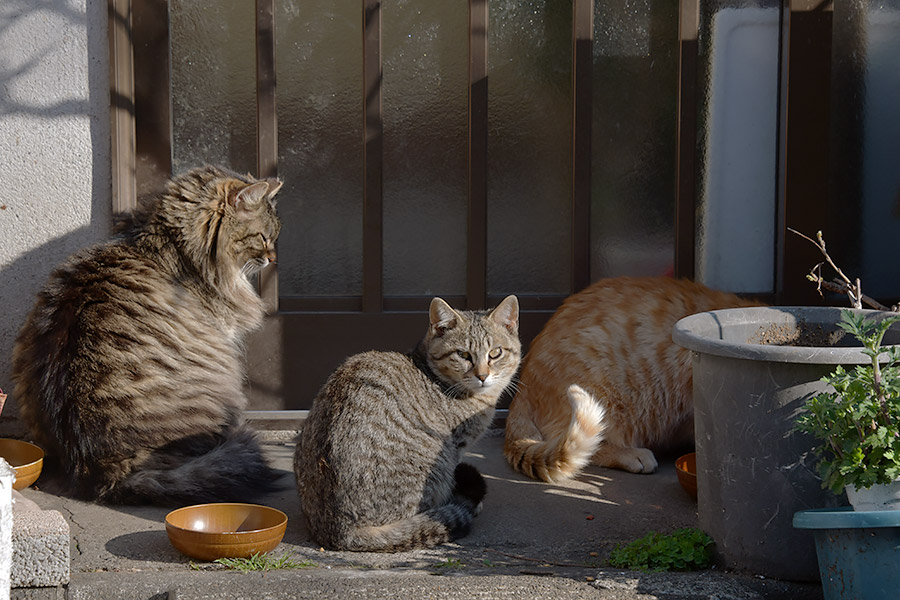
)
(27, 459)
(686, 466)
(225, 530)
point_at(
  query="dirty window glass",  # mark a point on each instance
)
(320, 152)
(213, 84)
(864, 207)
(425, 147)
(529, 147)
(635, 84)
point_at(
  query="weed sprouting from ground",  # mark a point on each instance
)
(683, 550)
(264, 562)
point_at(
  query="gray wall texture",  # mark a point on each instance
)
(54, 152)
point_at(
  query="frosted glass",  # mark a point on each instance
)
(865, 216)
(738, 93)
(320, 152)
(635, 86)
(424, 50)
(529, 147)
(213, 84)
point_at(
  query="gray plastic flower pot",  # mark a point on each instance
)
(753, 470)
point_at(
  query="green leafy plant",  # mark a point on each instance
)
(450, 563)
(858, 424)
(263, 562)
(686, 549)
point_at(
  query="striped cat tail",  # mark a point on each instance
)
(561, 456)
(232, 471)
(424, 529)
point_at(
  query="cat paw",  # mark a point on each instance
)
(639, 460)
(633, 460)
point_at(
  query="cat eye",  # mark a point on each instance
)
(464, 355)
(495, 353)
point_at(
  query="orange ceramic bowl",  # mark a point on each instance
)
(225, 530)
(686, 466)
(27, 459)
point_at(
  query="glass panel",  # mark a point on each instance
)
(864, 210)
(425, 153)
(530, 147)
(635, 87)
(213, 84)
(738, 127)
(320, 95)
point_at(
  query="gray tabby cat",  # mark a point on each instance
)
(378, 461)
(128, 369)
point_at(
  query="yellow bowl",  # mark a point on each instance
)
(27, 459)
(686, 466)
(225, 530)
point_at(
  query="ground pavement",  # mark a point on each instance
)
(532, 540)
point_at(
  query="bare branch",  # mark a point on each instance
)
(842, 283)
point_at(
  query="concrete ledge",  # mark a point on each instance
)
(40, 544)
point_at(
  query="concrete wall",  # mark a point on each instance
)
(54, 152)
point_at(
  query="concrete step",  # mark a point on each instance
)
(40, 545)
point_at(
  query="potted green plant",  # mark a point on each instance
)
(753, 369)
(857, 421)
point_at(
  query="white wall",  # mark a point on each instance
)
(54, 151)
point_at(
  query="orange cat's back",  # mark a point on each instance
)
(608, 347)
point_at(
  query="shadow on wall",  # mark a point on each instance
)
(54, 153)
(23, 279)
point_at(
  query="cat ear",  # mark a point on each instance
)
(274, 185)
(507, 314)
(249, 196)
(442, 317)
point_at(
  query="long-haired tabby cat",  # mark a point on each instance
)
(603, 380)
(378, 460)
(128, 370)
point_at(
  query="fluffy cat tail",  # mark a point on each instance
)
(425, 529)
(233, 471)
(561, 456)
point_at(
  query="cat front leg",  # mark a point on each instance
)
(626, 458)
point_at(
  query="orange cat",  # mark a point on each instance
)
(603, 379)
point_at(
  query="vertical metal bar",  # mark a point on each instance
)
(476, 259)
(582, 98)
(121, 79)
(266, 124)
(373, 156)
(686, 138)
(784, 71)
(804, 150)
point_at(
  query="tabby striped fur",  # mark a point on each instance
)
(129, 369)
(377, 462)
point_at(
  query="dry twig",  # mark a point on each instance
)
(840, 284)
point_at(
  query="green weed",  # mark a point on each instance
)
(264, 562)
(686, 549)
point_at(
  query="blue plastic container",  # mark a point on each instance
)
(858, 552)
